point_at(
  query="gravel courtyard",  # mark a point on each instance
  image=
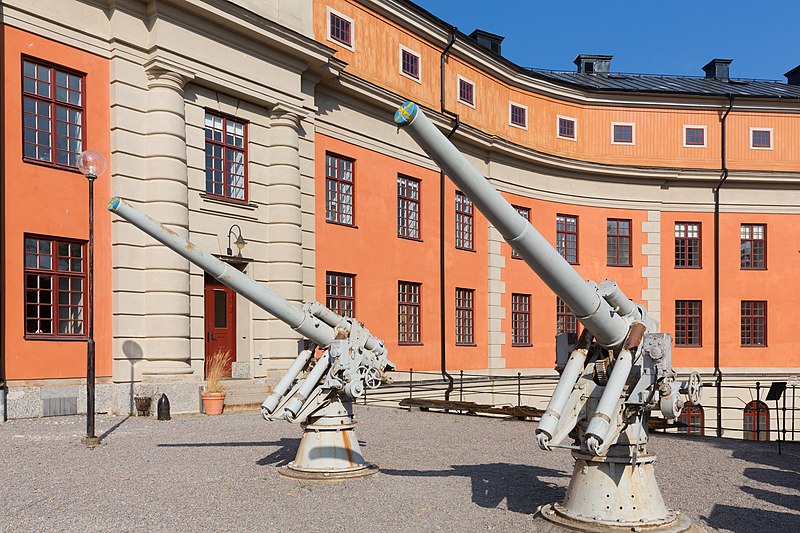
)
(438, 473)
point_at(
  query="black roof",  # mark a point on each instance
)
(691, 85)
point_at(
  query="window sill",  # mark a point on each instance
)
(51, 338)
(410, 344)
(472, 250)
(688, 267)
(761, 269)
(688, 345)
(620, 266)
(227, 201)
(341, 224)
(522, 345)
(753, 346)
(415, 239)
(467, 345)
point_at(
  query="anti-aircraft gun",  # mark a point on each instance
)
(322, 400)
(619, 370)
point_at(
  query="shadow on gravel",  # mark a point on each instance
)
(780, 471)
(492, 483)
(110, 430)
(287, 449)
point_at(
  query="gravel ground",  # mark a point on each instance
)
(438, 473)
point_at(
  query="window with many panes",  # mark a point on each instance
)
(408, 213)
(464, 222)
(409, 63)
(339, 189)
(466, 91)
(340, 29)
(566, 128)
(520, 319)
(566, 322)
(761, 138)
(688, 322)
(408, 312)
(340, 293)
(567, 237)
(755, 422)
(618, 242)
(52, 113)
(753, 246)
(55, 286)
(754, 323)
(691, 419)
(687, 244)
(694, 136)
(518, 115)
(622, 133)
(525, 213)
(465, 316)
(226, 157)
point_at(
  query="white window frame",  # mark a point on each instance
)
(771, 139)
(511, 103)
(697, 127)
(337, 42)
(458, 92)
(400, 63)
(633, 133)
(574, 127)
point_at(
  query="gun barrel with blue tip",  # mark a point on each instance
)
(608, 328)
(309, 327)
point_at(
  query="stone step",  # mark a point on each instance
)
(245, 393)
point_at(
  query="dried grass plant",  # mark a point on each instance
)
(215, 370)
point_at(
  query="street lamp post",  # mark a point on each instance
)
(92, 165)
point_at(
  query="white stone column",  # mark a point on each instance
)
(167, 291)
(283, 272)
(497, 288)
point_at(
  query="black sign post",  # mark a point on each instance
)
(775, 393)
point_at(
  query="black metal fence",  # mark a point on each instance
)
(745, 413)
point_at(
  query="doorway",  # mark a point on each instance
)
(220, 321)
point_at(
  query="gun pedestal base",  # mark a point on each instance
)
(613, 494)
(329, 447)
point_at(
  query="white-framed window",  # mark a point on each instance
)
(623, 133)
(517, 115)
(761, 139)
(340, 29)
(566, 128)
(410, 64)
(694, 136)
(466, 91)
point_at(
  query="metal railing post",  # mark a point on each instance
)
(519, 389)
(758, 410)
(410, 385)
(461, 386)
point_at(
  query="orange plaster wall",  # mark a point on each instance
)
(776, 285)
(53, 202)
(658, 132)
(379, 259)
(519, 278)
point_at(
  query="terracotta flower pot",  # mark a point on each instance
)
(213, 402)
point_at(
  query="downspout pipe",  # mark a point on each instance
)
(3, 337)
(723, 178)
(442, 292)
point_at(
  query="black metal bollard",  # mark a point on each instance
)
(163, 408)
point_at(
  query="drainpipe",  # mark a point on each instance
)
(3, 388)
(442, 295)
(723, 177)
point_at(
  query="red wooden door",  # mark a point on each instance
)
(220, 321)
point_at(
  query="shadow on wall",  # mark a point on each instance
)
(519, 485)
(133, 351)
(781, 472)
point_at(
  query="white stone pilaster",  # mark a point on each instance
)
(496, 290)
(651, 271)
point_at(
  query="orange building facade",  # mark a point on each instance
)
(55, 105)
(616, 171)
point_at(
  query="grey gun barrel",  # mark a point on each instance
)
(608, 328)
(307, 325)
